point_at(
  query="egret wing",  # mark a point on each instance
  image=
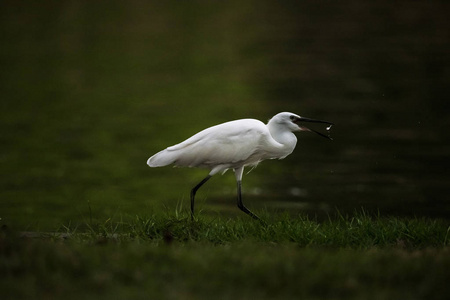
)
(225, 144)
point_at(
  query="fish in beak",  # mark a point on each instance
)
(301, 120)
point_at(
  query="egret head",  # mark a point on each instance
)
(296, 123)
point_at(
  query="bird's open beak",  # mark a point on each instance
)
(306, 120)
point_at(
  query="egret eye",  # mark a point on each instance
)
(293, 118)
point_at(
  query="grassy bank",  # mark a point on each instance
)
(359, 230)
(170, 257)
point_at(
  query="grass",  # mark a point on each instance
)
(170, 257)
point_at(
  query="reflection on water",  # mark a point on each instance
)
(92, 90)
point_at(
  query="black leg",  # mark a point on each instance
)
(241, 205)
(194, 190)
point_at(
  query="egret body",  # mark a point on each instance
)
(235, 145)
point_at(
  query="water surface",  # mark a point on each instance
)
(90, 91)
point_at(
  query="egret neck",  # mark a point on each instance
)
(283, 135)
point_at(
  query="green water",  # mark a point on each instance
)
(90, 91)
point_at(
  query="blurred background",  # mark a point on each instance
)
(91, 89)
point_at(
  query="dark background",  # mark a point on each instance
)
(90, 90)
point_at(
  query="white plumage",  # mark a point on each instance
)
(221, 147)
(234, 145)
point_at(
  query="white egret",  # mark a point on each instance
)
(235, 145)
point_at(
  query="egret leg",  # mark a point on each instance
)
(194, 191)
(241, 205)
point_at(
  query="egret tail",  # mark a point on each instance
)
(162, 158)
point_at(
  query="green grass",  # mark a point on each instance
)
(360, 230)
(170, 257)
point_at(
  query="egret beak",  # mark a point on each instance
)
(301, 119)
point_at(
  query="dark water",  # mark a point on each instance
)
(90, 91)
